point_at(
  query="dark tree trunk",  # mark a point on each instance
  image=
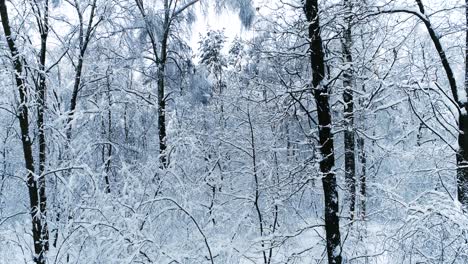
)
(327, 163)
(163, 159)
(462, 155)
(160, 58)
(162, 117)
(38, 228)
(74, 97)
(349, 142)
(107, 157)
(41, 104)
(363, 176)
(462, 161)
(257, 188)
(84, 39)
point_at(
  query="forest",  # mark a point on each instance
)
(325, 131)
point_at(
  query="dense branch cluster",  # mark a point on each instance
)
(325, 132)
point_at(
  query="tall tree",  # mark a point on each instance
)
(462, 156)
(321, 94)
(172, 11)
(348, 79)
(36, 187)
(85, 31)
(159, 46)
(461, 104)
(41, 11)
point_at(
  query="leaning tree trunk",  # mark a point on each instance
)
(38, 227)
(462, 153)
(327, 163)
(349, 142)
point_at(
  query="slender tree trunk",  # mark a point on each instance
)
(162, 117)
(106, 133)
(84, 39)
(41, 102)
(41, 90)
(160, 58)
(462, 155)
(38, 229)
(163, 159)
(363, 176)
(42, 19)
(74, 97)
(348, 78)
(257, 188)
(170, 12)
(109, 138)
(327, 163)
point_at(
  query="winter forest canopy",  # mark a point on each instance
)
(327, 132)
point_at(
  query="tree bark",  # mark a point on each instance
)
(348, 78)
(257, 188)
(163, 159)
(327, 163)
(363, 177)
(84, 42)
(462, 155)
(41, 105)
(107, 157)
(160, 58)
(162, 116)
(38, 227)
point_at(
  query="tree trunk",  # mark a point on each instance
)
(349, 142)
(462, 155)
(38, 227)
(161, 88)
(327, 163)
(462, 161)
(107, 130)
(41, 100)
(84, 39)
(74, 97)
(363, 176)
(257, 188)
(162, 117)
(160, 58)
